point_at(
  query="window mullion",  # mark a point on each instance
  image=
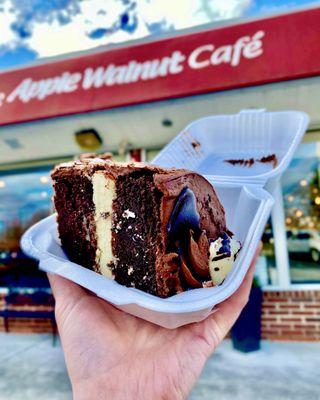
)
(280, 238)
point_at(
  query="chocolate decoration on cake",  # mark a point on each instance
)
(191, 281)
(198, 255)
(225, 249)
(184, 216)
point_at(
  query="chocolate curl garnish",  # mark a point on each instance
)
(198, 255)
(170, 273)
(171, 262)
(189, 278)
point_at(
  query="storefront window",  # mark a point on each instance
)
(301, 190)
(25, 198)
(267, 271)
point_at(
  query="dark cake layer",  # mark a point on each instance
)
(73, 202)
(136, 231)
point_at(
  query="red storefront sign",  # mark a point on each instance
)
(267, 50)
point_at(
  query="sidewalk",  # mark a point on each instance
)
(280, 371)
(31, 368)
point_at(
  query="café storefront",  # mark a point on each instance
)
(131, 100)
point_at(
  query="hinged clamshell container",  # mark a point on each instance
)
(206, 144)
(203, 146)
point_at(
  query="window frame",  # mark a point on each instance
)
(282, 263)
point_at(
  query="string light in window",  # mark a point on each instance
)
(303, 182)
(44, 179)
(290, 198)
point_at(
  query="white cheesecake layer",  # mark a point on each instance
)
(104, 192)
(219, 269)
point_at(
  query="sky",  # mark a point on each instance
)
(32, 29)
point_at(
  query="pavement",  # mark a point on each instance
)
(279, 371)
(31, 368)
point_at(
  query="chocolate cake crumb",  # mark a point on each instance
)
(272, 158)
(105, 215)
(244, 162)
(128, 214)
(195, 144)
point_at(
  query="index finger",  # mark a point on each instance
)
(62, 288)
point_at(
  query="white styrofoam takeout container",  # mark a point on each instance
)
(202, 146)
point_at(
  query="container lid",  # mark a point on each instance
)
(250, 147)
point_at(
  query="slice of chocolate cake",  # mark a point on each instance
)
(159, 230)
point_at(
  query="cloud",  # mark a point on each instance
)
(188, 13)
(52, 27)
(88, 29)
(7, 36)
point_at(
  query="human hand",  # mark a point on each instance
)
(113, 355)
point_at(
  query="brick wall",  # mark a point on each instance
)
(291, 315)
(27, 325)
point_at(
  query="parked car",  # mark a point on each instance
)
(305, 242)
